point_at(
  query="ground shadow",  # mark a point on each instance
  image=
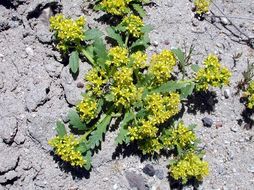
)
(201, 101)
(76, 172)
(174, 184)
(246, 116)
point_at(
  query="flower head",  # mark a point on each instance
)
(87, 109)
(138, 60)
(133, 25)
(188, 167)
(65, 147)
(118, 56)
(212, 74)
(202, 6)
(67, 31)
(162, 65)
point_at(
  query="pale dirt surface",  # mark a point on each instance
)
(36, 90)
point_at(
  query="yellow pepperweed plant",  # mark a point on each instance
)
(202, 6)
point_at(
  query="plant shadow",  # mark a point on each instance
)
(201, 102)
(246, 116)
(76, 172)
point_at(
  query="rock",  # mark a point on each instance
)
(11, 175)
(8, 160)
(37, 95)
(227, 93)
(251, 169)
(195, 22)
(218, 125)
(72, 94)
(135, 180)
(54, 68)
(161, 185)
(234, 129)
(155, 43)
(4, 25)
(159, 173)
(224, 21)
(29, 51)
(207, 122)
(149, 170)
(8, 129)
(80, 85)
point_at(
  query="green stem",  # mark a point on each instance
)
(88, 56)
(126, 40)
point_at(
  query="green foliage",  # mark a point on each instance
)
(145, 96)
(249, 93)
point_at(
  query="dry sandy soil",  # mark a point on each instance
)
(36, 90)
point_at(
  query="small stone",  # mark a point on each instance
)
(234, 129)
(29, 51)
(218, 125)
(115, 186)
(195, 22)
(155, 43)
(135, 180)
(105, 179)
(80, 85)
(251, 169)
(227, 93)
(149, 170)
(247, 126)
(159, 174)
(207, 122)
(224, 21)
(161, 185)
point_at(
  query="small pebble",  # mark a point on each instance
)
(155, 43)
(234, 129)
(159, 174)
(251, 169)
(207, 122)
(149, 170)
(218, 125)
(224, 21)
(227, 93)
(29, 51)
(80, 85)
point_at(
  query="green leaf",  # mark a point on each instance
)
(60, 129)
(146, 29)
(139, 9)
(122, 136)
(140, 44)
(82, 147)
(195, 68)
(180, 56)
(187, 90)
(96, 136)
(109, 97)
(170, 86)
(75, 120)
(172, 162)
(92, 34)
(117, 37)
(100, 52)
(74, 61)
(88, 158)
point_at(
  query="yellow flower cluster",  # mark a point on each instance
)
(65, 147)
(212, 74)
(162, 65)
(87, 109)
(116, 7)
(118, 56)
(138, 60)
(250, 94)
(180, 136)
(133, 25)
(202, 6)
(150, 146)
(96, 79)
(146, 129)
(188, 167)
(67, 31)
(162, 107)
(123, 77)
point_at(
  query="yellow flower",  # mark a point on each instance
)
(116, 7)
(202, 6)
(87, 109)
(162, 107)
(162, 65)
(118, 56)
(133, 25)
(123, 77)
(212, 74)
(180, 136)
(65, 147)
(96, 79)
(250, 94)
(188, 167)
(67, 31)
(138, 60)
